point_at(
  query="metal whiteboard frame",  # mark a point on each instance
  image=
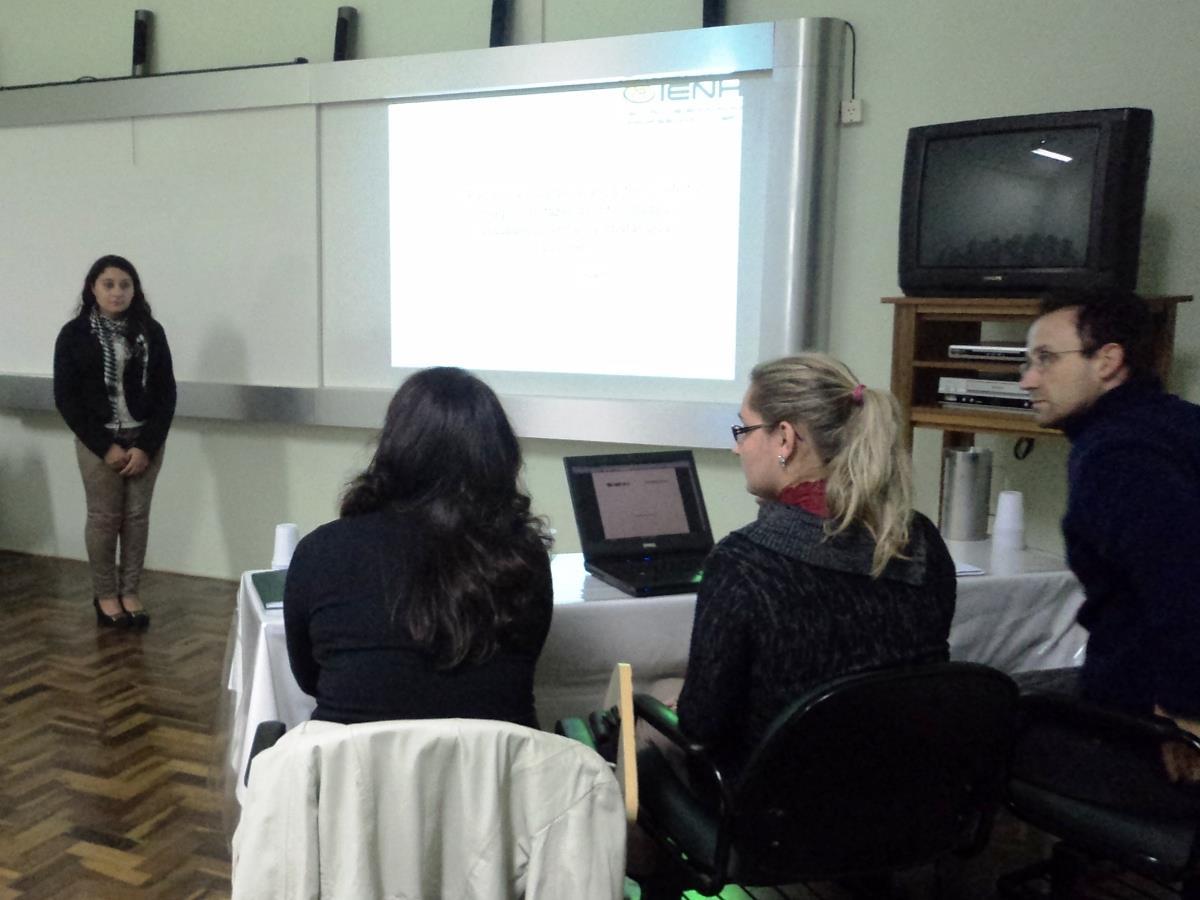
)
(804, 56)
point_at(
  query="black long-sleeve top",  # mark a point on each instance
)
(82, 397)
(1132, 532)
(344, 612)
(783, 608)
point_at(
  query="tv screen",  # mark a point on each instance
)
(1024, 204)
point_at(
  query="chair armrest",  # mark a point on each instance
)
(266, 735)
(1063, 709)
(665, 721)
(701, 765)
(576, 728)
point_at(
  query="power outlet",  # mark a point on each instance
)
(852, 112)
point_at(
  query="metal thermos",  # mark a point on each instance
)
(966, 487)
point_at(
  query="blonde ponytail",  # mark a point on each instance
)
(856, 431)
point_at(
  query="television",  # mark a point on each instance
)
(1022, 205)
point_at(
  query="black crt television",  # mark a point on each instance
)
(1021, 205)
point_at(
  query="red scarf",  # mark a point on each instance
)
(808, 495)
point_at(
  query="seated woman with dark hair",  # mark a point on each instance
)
(837, 574)
(431, 596)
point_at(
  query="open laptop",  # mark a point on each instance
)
(641, 519)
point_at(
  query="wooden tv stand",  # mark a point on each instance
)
(925, 327)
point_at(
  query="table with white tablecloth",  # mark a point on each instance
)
(1017, 616)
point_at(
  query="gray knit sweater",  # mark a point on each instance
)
(783, 607)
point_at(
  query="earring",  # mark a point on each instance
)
(783, 461)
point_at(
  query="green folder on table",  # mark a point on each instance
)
(270, 587)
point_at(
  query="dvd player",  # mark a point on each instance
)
(1000, 351)
(986, 387)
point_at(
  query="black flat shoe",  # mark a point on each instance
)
(138, 618)
(116, 620)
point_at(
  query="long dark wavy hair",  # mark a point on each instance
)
(138, 315)
(448, 455)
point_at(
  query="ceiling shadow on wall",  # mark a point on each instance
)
(1154, 264)
(247, 465)
(26, 510)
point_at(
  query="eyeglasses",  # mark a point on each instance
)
(740, 430)
(1042, 359)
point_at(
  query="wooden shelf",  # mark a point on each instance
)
(925, 327)
(970, 365)
(986, 420)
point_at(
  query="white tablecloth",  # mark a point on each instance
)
(1018, 616)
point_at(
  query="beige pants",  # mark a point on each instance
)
(118, 510)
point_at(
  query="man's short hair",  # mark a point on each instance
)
(1110, 317)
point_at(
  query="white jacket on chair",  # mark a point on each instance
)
(462, 809)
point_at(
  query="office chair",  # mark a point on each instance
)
(1094, 778)
(862, 776)
(464, 808)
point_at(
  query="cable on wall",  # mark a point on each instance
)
(853, 60)
(851, 109)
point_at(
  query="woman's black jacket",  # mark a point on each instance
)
(82, 398)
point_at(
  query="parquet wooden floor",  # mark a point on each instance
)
(108, 738)
(110, 745)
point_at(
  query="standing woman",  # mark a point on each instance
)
(115, 387)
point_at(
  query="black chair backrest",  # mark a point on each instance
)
(875, 772)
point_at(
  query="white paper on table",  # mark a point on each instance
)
(961, 569)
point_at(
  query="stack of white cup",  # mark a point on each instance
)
(286, 536)
(1008, 529)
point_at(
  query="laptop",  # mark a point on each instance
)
(641, 519)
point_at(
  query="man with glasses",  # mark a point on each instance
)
(1132, 526)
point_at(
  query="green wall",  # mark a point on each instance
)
(226, 484)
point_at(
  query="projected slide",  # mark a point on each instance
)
(582, 231)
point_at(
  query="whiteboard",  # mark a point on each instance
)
(254, 204)
(217, 210)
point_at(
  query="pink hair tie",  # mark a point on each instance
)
(858, 394)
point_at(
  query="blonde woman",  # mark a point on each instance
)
(837, 574)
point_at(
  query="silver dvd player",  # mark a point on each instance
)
(999, 351)
(976, 401)
(982, 386)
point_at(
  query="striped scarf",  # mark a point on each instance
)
(107, 331)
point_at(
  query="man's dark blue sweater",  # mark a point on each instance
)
(1132, 532)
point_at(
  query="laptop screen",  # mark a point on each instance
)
(630, 503)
